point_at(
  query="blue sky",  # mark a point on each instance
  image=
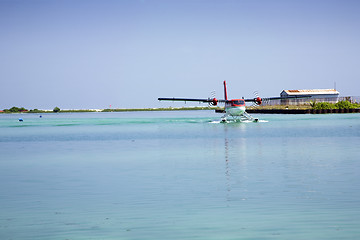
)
(92, 54)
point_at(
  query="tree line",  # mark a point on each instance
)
(22, 109)
(338, 105)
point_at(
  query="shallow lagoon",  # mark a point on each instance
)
(179, 175)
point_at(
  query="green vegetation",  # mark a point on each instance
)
(56, 109)
(323, 105)
(346, 105)
(338, 105)
(312, 103)
(36, 111)
(15, 110)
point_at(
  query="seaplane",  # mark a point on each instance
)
(234, 109)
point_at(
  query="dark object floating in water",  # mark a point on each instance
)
(21, 120)
(40, 116)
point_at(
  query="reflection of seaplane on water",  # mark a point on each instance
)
(234, 108)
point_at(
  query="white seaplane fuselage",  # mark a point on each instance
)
(235, 107)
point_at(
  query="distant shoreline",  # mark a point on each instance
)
(115, 110)
(267, 109)
(252, 110)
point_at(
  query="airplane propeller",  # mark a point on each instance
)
(214, 101)
(257, 101)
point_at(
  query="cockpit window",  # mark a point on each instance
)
(238, 102)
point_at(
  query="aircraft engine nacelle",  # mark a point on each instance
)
(214, 102)
(258, 101)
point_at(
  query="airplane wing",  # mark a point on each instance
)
(275, 98)
(213, 101)
(259, 100)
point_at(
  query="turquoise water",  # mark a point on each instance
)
(179, 175)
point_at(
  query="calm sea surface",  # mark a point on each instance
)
(179, 175)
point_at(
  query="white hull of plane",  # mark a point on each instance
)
(235, 111)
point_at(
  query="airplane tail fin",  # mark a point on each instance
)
(225, 91)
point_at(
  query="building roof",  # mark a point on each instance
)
(312, 92)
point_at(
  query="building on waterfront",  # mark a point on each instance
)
(320, 95)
